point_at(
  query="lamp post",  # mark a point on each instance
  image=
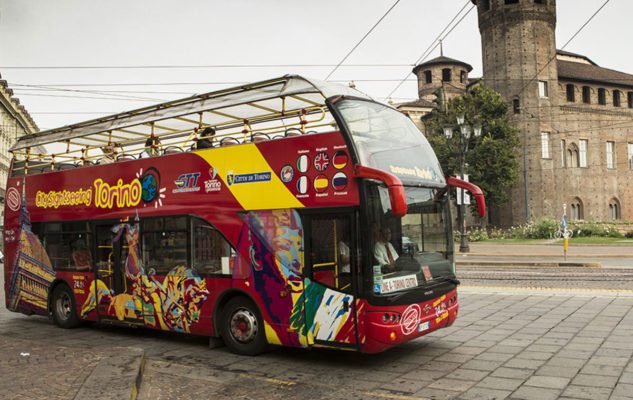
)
(465, 131)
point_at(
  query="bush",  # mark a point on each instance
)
(477, 235)
(596, 229)
(629, 235)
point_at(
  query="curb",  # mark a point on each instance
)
(528, 264)
(533, 255)
(116, 376)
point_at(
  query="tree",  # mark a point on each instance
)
(491, 158)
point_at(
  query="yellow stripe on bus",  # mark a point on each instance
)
(247, 159)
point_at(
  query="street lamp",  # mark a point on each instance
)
(465, 131)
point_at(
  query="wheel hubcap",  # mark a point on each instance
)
(63, 306)
(244, 326)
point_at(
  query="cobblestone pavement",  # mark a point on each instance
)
(508, 342)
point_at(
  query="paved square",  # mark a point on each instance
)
(518, 344)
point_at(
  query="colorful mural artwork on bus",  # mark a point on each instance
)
(320, 314)
(273, 239)
(309, 310)
(32, 271)
(173, 304)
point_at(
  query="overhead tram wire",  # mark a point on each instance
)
(437, 40)
(362, 39)
(198, 66)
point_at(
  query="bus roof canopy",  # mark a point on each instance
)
(269, 107)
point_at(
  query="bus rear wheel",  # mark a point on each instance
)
(243, 327)
(63, 307)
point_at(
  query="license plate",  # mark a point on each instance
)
(423, 327)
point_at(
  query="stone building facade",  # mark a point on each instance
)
(15, 121)
(575, 118)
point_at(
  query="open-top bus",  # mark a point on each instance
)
(319, 218)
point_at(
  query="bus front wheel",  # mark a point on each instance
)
(63, 307)
(243, 327)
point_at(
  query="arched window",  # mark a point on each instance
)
(586, 94)
(446, 75)
(576, 209)
(428, 76)
(602, 96)
(571, 93)
(573, 158)
(614, 209)
(616, 98)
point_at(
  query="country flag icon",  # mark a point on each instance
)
(303, 163)
(302, 185)
(339, 181)
(340, 160)
(321, 183)
(321, 162)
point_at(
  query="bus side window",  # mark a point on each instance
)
(330, 251)
(212, 254)
(67, 245)
(164, 244)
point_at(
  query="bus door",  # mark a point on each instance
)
(118, 298)
(331, 263)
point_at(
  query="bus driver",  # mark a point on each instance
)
(384, 251)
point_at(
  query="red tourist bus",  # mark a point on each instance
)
(314, 216)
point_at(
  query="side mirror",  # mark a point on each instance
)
(473, 189)
(397, 197)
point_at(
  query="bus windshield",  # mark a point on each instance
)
(388, 140)
(414, 251)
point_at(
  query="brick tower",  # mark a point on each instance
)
(519, 61)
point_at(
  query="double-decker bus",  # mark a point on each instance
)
(315, 216)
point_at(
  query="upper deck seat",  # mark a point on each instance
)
(125, 157)
(259, 137)
(229, 141)
(293, 132)
(172, 150)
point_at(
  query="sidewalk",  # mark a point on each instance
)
(33, 370)
(545, 255)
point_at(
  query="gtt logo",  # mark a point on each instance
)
(189, 180)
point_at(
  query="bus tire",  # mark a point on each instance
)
(243, 327)
(63, 307)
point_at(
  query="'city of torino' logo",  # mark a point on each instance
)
(121, 195)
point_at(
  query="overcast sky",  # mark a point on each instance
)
(47, 33)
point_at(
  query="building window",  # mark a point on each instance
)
(462, 77)
(571, 94)
(428, 76)
(611, 155)
(542, 89)
(511, 1)
(586, 94)
(629, 147)
(544, 145)
(616, 98)
(573, 156)
(485, 4)
(582, 153)
(629, 97)
(446, 75)
(576, 209)
(516, 106)
(563, 148)
(614, 209)
(602, 97)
